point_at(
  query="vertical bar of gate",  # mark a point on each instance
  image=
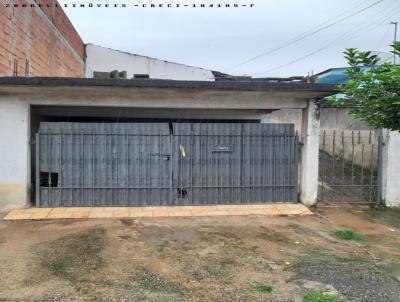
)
(60, 178)
(59, 166)
(148, 154)
(264, 165)
(37, 172)
(191, 164)
(217, 156)
(252, 139)
(49, 159)
(343, 163)
(296, 150)
(371, 169)
(210, 190)
(352, 157)
(128, 183)
(117, 149)
(380, 167)
(159, 166)
(139, 161)
(180, 194)
(93, 166)
(105, 178)
(201, 199)
(241, 163)
(333, 157)
(289, 166)
(231, 163)
(112, 167)
(273, 169)
(323, 165)
(172, 150)
(362, 171)
(281, 166)
(284, 165)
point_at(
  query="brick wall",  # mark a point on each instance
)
(44, 37)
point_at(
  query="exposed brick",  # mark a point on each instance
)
(27, 35)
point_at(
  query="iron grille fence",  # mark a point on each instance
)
(350, 164)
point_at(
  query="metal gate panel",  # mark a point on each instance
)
(133, 164)
(207, 163)
(228, 163)
(103, 164)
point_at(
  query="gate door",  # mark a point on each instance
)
(234, 163)
(103, 164)
(138, 164)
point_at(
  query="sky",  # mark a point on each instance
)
(225, 39)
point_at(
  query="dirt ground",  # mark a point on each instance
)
(202, 259)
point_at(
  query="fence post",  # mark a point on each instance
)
(391, 168)
(310, 154)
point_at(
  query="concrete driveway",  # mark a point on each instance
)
(202, 258)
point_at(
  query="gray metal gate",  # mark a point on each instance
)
(138, 164)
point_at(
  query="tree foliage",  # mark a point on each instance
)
(373, 91)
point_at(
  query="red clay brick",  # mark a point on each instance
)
(27, 35)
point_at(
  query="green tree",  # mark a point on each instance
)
(372, 93)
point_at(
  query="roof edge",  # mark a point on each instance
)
(157, 83)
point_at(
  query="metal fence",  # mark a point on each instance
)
(116, 164)
(350, 165)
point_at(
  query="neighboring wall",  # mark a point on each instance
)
(106, 60)
(359, 142)
(43, 38)
(331, 119)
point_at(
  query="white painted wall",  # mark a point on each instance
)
(106, 60)
(14, 153)
(391, 168)
(309, 155)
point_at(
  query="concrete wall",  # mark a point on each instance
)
(309, 162)
(287, 116)
(391, 169)
(43, 36)
(14, 154)
(338, 121)
(106, 60)
(331, 119)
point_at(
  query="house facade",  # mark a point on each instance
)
(143, 131)
(77, 142)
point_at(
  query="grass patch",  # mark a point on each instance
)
(347, 235)
(262, 288)
(320, 297)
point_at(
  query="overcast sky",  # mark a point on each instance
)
(220, 38)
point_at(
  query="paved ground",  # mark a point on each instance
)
(202, 258)
(165, 211)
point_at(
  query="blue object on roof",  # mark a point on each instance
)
(334, 76)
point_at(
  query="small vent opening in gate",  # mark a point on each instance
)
(182, 193)
(48, 179)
